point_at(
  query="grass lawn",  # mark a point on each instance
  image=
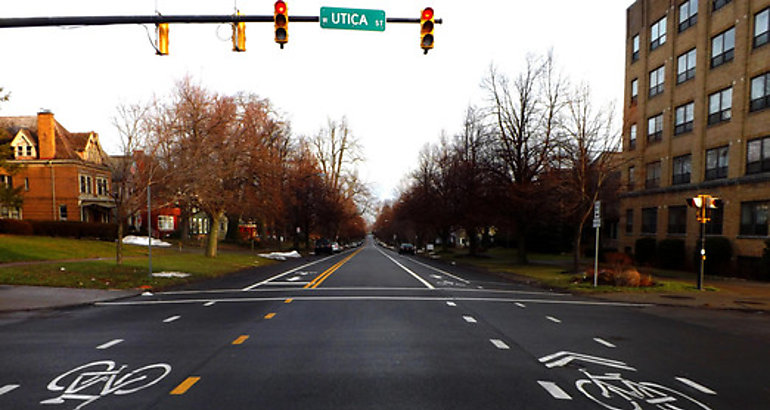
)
(107, 274)
(503, 261)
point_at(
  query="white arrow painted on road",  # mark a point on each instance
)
(561, 359)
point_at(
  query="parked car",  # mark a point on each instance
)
(407, 248)
(323, 246)
(336, 248)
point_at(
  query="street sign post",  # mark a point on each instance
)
(352, 19)
(597, 225)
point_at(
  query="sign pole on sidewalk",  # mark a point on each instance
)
(597, 225)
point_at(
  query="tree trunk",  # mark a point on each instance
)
(576, 254)
(119, 244)
(232, 227)
(213, 237)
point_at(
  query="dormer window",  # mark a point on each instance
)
(22, 147)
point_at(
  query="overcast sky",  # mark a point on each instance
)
(395, 98)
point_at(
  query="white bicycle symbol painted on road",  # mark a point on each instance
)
(95, 380)
(614, 392)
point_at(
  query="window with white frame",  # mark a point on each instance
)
(85, 184)
(720, 106)
(658, 33)
(657, 78)
(165, 223)
(723, 47)
(685, 67)
(688, 14)
(102, 189)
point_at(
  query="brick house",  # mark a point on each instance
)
(62, 174)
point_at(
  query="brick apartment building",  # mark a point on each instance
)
(62, 173)
(697, 121)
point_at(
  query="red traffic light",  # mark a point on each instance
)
(280, 7)
(427, 13)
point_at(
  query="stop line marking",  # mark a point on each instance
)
(8, 388)
(109, 344)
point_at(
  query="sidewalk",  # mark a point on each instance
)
(20, 298)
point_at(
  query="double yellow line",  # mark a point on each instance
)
(322, 277)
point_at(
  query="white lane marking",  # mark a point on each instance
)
(109, 344)
(554, 390)
(293, 279)
(423, 281)
(521, 305)
(450, 303)
(363, 288)
(469, 319)
(171, 319)
(209, 303)
(286, 283)
(561, 359)
(288, 272)
(8, 388)
(697, 386)
(440, 271)
(371, 298)
(604, 342)
(553, 319)
(499, 344)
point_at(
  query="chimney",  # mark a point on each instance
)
(46, 134)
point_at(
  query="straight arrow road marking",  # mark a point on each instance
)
(185, 385)
(109, 344)
(604, 342)
(554, 390)
(171, 319)
(499, 344)
(8, 388)
(697, 386)
(469, 319)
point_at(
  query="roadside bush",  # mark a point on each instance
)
(74, 229)
(719, 251)
(644, 251)
(620, 276)
(671, 253)
(16, 227)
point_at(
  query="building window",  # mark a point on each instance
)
(723, 48)
(655, 128)
(688, 14)
(85, 184)
(632, 137)
(62, 212)
(762, 28)
(10, 213)
(677, 219)
(720, 106)
(102, 189)
(26, 184)
(629, 221)
(760, 92)
(635, 48)
(634, 90)
(718, 4)
(652, 179)
(685, 114)
(716, 163)
(649, 220)
(631, 178)
(758, 155)
(165, 223)
(657, 77)
(658, 33)
(754, 218)
(685, 67)
(6, 180)
(714, 227)
(682, 169)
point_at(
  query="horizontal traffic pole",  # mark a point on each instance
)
(17, 22)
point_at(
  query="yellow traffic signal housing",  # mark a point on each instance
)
(426, 29)
(162, 43)
(239, 36)
(281, 20)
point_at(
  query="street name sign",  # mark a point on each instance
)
(352, 19)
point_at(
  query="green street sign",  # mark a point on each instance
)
(352, 19)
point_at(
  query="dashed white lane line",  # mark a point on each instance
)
(697, 386)
(521, 305)
(8, 388)
(171, 319)
(450, 303)
(209, 303)
(604, 342)
(499, 344)
(554, 390)
(469, 319)
(553, 319)
(109, 344)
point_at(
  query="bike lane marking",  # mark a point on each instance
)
(553, 319)
(604, 342)
(109, 344)
(696, 386)
(185, 385)
(171, 319)
(554, 390)
(8, 388)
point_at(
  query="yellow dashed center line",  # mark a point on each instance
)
(269, 316)
(240, 339)
(185, 385)
(322, 277)
(289, 300)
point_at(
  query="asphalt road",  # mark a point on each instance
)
(370, 329)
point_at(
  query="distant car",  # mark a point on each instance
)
(323, 246)
(406, 248)
(336, 248)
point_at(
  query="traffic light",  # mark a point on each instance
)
(239, 35)
(281, 19)
(162, 36)
(426, 29)
(702, 203)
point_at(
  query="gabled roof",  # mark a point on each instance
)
(68, 145)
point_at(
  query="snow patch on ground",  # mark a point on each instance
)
(142, 240)
(280, 256)
(170, 275)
